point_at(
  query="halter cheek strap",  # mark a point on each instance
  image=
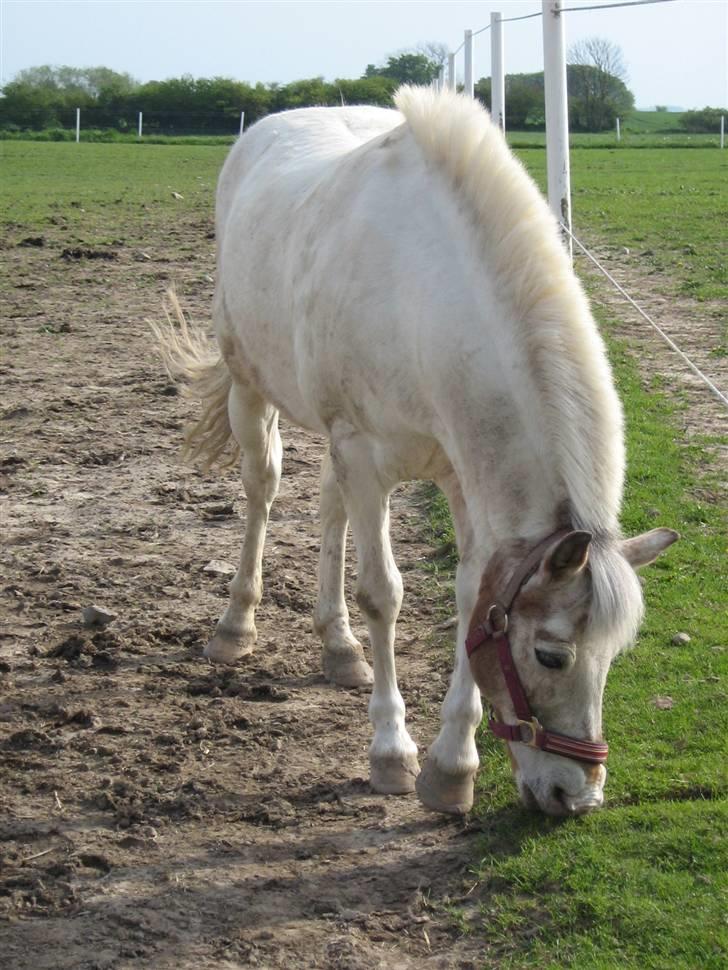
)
(494, 627)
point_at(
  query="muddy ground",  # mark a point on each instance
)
(157, 811)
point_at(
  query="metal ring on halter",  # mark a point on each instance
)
(502, 615)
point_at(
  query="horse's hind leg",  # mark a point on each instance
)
(343, 657)
(254, 424)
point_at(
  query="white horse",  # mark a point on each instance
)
(395, 281)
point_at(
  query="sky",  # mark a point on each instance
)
(676, 53)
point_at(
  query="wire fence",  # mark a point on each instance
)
(645, 316)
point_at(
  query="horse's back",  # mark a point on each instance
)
(295, 146)
(314, 219)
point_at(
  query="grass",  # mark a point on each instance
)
(669, 208)
(628, 888)
(641, 129)
(642, 884)
(110, 136)
(91, 188)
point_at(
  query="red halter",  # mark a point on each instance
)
(494, 626)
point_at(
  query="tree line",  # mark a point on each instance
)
(43, 98)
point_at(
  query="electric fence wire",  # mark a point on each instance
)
(613, 6)
(539, 13)
(671, 343)
(508, 20)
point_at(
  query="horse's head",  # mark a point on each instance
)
(548, 622)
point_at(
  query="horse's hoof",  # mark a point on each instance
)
(394, 775)
(226, 648)
(442, 792)
(347, 669)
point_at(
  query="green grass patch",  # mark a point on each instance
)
(669, 208)
(89, 189)
(620, 889)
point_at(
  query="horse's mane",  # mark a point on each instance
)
(523, 251)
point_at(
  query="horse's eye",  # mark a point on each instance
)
(553, 660)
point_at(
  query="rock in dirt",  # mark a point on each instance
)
(97, 616)
(218, 568)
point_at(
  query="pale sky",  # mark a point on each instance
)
(676, 53)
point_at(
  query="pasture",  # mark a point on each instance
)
(161, 812)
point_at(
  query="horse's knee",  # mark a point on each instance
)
(381, 602)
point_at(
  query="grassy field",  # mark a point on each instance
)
(669, 207)
(643, 883)
(641, 129)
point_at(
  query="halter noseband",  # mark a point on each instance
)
(494, 626)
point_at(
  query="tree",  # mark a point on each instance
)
(705, 120)
(86, 81)
(434, 51)
(409, 67)
(367, 90)
(596, 77)
(524, 99)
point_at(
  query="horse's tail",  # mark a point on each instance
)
(190, 359)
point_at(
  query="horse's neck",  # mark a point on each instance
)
(539, 450)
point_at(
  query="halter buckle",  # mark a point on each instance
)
(496, 621)
(534, 726)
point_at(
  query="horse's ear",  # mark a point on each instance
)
(565, 558)
(644, 549)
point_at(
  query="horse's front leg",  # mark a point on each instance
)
(392, 753)
(448, 775)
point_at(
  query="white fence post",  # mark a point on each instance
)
(557, 115)
(497, 72)
(619, 132)
(451, 72)
(242, 121)
(139, 130)
(78, 125)
(469, 86)
(722, 131)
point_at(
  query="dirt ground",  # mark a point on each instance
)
(157, 811)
